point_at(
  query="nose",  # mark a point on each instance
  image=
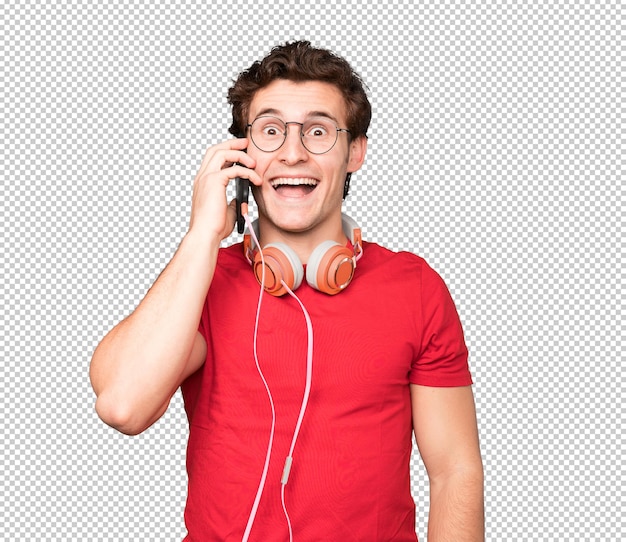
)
(292, 150)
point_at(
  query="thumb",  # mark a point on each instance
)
(231, 214)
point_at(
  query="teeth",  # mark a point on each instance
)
(293, 182)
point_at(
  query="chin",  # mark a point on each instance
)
(292, 223)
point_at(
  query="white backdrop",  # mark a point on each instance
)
(496, 152)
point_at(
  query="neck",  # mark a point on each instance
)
(302, 242)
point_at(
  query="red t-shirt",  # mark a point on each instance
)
(395, 324)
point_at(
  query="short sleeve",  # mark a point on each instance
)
(442, 355)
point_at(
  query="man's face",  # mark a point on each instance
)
(301, 191)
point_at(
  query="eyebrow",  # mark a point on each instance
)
(310, 114)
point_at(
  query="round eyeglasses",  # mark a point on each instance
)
(318, 134)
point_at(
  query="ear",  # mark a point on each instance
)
(357, 150)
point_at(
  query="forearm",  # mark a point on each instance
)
(140, 363)
(457, 508)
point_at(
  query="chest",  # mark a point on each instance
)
(363, 342)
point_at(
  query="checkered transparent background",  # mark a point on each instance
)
(496, 152)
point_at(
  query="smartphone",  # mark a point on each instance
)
(243, 193)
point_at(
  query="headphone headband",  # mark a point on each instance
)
(330, 268)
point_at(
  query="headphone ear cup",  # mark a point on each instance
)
(330, 268)
(281, 264)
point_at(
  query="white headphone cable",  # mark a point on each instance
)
(303, 406)
(305, 402)
(268, 454)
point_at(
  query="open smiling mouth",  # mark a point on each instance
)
(294, 186)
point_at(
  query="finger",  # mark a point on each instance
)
(239, 143)
(238, 170)
(231, 212)
(217, 155)
(229, 158)
(232, 209)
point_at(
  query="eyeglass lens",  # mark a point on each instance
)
(318, 135)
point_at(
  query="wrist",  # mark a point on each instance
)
(197, 253)
(203, 240)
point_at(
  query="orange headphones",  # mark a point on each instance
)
(330, 268)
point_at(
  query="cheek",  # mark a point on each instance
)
(337, 166)
(261, 159)
(259, 155)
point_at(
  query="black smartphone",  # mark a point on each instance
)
(243, 193)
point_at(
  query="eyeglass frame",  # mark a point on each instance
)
(286, 133)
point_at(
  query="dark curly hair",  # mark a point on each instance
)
(299, 61)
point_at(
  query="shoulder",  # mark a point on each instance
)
(404, 278)
(398, 266)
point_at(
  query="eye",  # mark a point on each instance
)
(268, 128)
(271, 130)
(317, 130)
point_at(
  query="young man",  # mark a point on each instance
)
(301, 407)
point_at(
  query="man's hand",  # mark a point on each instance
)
(210, 214)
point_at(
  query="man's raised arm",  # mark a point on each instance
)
(141, 362)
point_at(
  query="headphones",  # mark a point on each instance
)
(330, 268)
